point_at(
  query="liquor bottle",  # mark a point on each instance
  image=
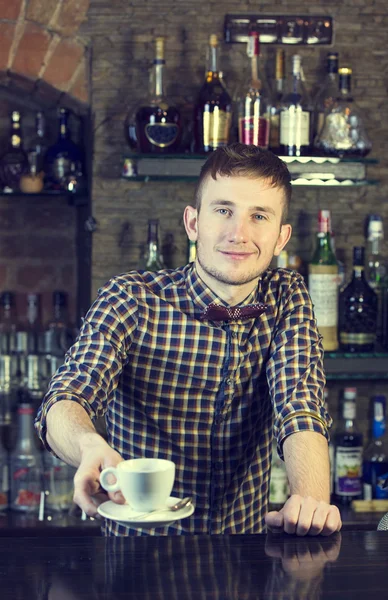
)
(278, 486)
(253, 101)
(375, 466)
(157, 123)
(8, 402)
(213, 110)
(25, 461)
(191, 251)
(341, 265)
(61, 155)
(276, 101)
(152, 258)
(343, 132)
(4, 477)
(331, 443)
(327, 94)
(58, 335)
(13, 162)
(348, 453)
(376, 270)
(358, 305)
(58, 483)
(39, 144)
(295, 115)
(323, 284)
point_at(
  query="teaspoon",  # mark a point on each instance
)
(180, 504)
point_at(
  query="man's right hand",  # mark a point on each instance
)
(88, 493)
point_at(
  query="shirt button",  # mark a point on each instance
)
(234, 334)
(230, 381)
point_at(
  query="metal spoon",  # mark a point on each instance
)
(180, 504)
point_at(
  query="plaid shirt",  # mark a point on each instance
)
(207, 395)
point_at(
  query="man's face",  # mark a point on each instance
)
(238, 229)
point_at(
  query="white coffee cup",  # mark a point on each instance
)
(146, 483)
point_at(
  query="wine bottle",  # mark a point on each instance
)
(276, 101)
(348, 453)
(213, 110)
(375, 466)
(295, 115)
(253, 101)
(152, 259)
(358, 306)
(14, 162)
(61, 155)
(158, 126)
(323, 284)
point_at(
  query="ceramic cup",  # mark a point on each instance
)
(146, 483)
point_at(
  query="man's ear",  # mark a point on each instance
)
(284, 236)
(190, 219)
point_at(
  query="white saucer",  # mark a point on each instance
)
(125, 515)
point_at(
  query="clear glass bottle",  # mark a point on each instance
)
(348, 453)
(295, 114)
(61, 155)
(58, 478)
(375, 466)
(153, 259)
(358, 306)
(8, 323)
(343, 132)
(376, 271)
(323, 283)
(276, 101)
(57, 334)
(13, 163)
(253, 100)
(157, 122)
(9, 383)
(327, 94)
(213, 110)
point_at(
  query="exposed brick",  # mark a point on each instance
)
(41, 11)
(35, 277)
(11, 246)
(10, 9)
(50, 215)
(48, 247)
(7, 31)
(3, 276)
(70, 16)
(63, 63)
(80, 88)
(31, 51)
(9, 218)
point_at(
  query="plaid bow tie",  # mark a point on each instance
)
(214, 312)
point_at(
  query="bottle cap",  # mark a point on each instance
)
(213, 40)
(350, 393)
(159, 43)
(375, 227)
(345, 71)
(324, 221)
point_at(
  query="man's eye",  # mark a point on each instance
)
(223, 211)
(259, 217)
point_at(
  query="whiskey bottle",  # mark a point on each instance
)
(253, 101)
(158, 127)
(327, 94)
(295, 114)
(276, 102)
(358, 305)
(14, 162)
(152, 259)
(375, 466)
(213, 110)
(343, 132)
(61, 155)
(348, 453)
(323, 284)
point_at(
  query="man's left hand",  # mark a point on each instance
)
(305, 516)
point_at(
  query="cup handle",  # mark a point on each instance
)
(109, 487)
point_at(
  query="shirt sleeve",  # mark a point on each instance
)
(295, 371)
(93, 365)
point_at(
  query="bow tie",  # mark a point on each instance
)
(214, 312)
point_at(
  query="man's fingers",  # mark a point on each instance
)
(85, 488)
(274, 521)
(333, 521)
(291, 512)
(117, 497)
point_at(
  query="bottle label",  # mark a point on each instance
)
(348, 470)
(323, 288)
(254, 131)
(25, 484)
(357, 338)
(162, 135)
(216, 127)
(295, 127)
(375, 475)
(3, 486)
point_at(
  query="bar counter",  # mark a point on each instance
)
(350, 564)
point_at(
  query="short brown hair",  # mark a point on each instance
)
(248, 161)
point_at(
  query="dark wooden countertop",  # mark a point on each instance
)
(350, 565)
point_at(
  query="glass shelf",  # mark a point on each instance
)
(368, 366)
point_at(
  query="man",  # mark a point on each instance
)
(177, 378)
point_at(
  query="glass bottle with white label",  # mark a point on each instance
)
(348, 453)
(323, 284)
(296, 115)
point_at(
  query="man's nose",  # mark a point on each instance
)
(238, 231)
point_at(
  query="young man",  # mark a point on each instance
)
(206, 386)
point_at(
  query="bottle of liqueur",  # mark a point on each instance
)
(213, 110)
(348, 453)
(14, 162)
(153, 259)
(295, 116)
(343, 132)
(158, 124)
(376, 270)
(358, 305)
(327, 94)
(61, 155)
(276, 101)
(375, 467)
(253, 107)
(323, 284)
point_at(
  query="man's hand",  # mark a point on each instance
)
(88, 493)
(305, 516)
